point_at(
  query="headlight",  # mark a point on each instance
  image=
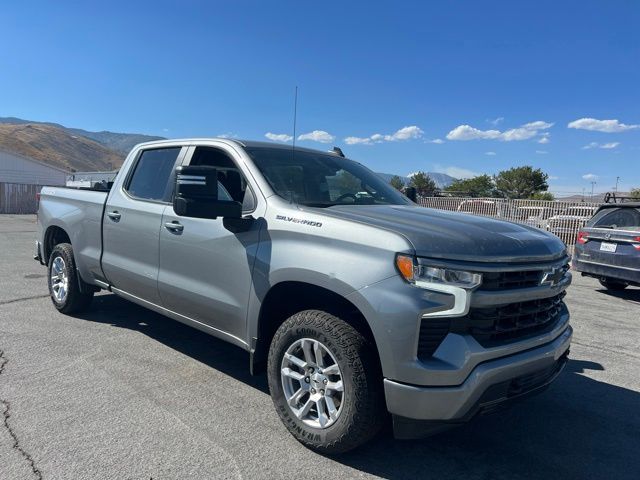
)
(423, 275)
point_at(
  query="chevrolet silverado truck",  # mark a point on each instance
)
(357, 302)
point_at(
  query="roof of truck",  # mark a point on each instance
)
(241, 143)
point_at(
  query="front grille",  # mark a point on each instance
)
(508, 280)
(494, 325)
(493, 281)
(497, 396)
(432, 333)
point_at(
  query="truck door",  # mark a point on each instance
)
(205, 269)
(132, 220)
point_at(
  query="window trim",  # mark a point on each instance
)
(188, 156)
(134, 166)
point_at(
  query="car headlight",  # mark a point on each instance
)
(424, 275)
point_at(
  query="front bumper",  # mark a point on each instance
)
(461, 402)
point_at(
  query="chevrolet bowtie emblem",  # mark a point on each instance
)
(552, 277)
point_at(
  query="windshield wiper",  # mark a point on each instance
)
(318, 204)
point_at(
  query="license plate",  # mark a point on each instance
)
(608, 247)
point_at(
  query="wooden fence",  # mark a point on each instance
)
(18, 198)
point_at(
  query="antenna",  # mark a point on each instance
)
(295, 119)
(293, 145)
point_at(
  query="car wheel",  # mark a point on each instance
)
(64, 284)
(325, 382)
(613, 284)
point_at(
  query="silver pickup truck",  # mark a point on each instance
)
(356, 301)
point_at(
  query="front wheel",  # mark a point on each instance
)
(610, 284)
(325, 382)
(64, 284)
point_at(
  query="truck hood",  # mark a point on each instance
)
(457, 236)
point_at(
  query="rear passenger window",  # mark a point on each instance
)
(152, 174)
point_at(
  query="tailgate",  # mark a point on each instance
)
(617, 248)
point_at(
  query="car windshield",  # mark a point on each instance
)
(322, 180)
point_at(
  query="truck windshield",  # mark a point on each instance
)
(322, 180)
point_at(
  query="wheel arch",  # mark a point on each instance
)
(289, 297)
(53, 236)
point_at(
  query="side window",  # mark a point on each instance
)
(231, 183)
(152, 173)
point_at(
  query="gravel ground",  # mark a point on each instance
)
(125, 393)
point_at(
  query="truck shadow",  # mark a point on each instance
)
(579, 428)
(231, 360)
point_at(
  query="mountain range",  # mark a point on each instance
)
(75, 149)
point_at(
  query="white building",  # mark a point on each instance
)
(21, 178)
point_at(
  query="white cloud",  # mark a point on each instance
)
(405, 133)
(590, 177)
(317, 136)
(278, 137)
(541, 152)
(228, 135)
(491, 154)
(437, 141)
(606, 146)
(495, 121)
(544, 138)
(607, 126)
(467, 132)
(456, 172)
(524, 132)
(538, 125)
(358, 141)
(553, 177)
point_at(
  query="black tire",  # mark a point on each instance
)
(610, 284)
(74, 300)
(362, 409)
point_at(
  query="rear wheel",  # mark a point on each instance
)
(64, 284)
(325, 383)
(610, 284)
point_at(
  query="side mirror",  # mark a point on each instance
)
(411, 194)
(196, 194)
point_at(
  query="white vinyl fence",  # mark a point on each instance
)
(563, 219)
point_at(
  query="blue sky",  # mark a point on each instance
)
(481, 86)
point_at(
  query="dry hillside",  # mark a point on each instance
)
(57, 147)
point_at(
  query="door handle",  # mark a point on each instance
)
(115, 215)
(174, 226)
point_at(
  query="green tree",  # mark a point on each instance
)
(635, 193)
(396, 182)
(543, 196)
(424, 184)
(347, 183)
(480, 186)
(521, 182)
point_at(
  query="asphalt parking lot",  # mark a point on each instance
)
(125, 393)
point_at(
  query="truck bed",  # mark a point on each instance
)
(77, 211)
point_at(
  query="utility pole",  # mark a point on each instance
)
(617, 180)
(592, 185)
(583, 194)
